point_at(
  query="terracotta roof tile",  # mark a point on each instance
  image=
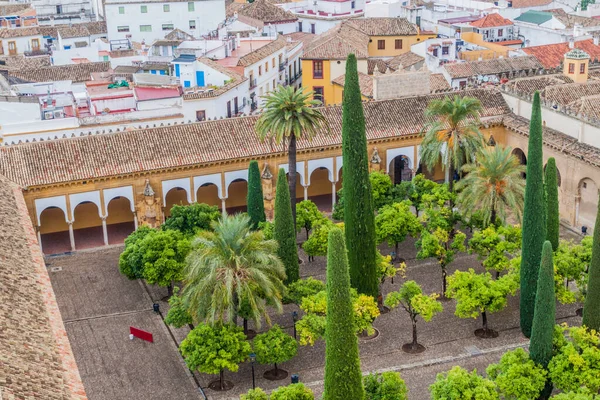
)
(120, 153)
(384, 26)
(262, 52)
(405, 60)
(529, 3)
(496, 66)
(337, 43)
(552, 55)
(13, 9)
(20, 62)
(72, 72)
(7, 33)
(491, 20)
(438, 83)
(268, 13)
(570, 20)
(365, 83)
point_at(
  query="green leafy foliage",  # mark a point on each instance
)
(459, 384)
(178, 314)
(274, 346)
(386, 269)
(307, 215)
(576, 361)
(385, 386)
(255, 394)
(254, 198)
(416, 188)
(496, 246)
(338, 207)
(267, 229)
(358, 197)
(130, 260)
(582, 394)
(164, 254)
(553, 217)
(211, 349)
(534, 220)
(295, 391)
(394, 223)
(342, 363)
(191, 218)
(591, 308)
(284, 231)
(381, 185)
(296, 291)
(517, 376)
(316, 245)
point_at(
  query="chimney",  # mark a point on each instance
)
(571, 43)
(596, 39)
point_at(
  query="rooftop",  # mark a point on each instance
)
(570, 20)
(491, 20)
(73, 72)
(235, 80)
(384, 26)
(156, 93)
(552, 55)
(458, 20)
(529, 3)
(405, 60)
(266, 12)
(337, 43)
(6, 33)
(364, 81)
(534, 17)
(13, 9)
(493, 67)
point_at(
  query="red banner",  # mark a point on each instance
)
(141, 334)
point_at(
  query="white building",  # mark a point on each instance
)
(436, 52)
(542, 27)
(267, 18)
(318, 16)
(63, 11)
(147, 21)
(495, 28)
(16, 41)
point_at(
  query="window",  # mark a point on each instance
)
(35, 45)
(398, 44)
(318, 69)
(274, 85)
(319, 93)
(353, 5)
(12, 48)
(200, 115)
(167, 27)
(582, 69)
(235, 105)
(462, 84)
(143, 9)
(259, 70)
(381, 44)
(122, 29)
(166, 8)
(191, 6)
(435, 52)
(1, 48)
(299, 26)
(145, 28)
(571, 68)
(267, 66)
(192, 24)
(121, 10)
(312, 28)
(500, 32)
(273, 62)
(59, 9)
(229, 109)
(445, 50)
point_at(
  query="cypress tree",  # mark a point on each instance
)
(284, 230)
(552, 216)
(343, 379)
(534, 221)
(254, 199)
(591, 307)
(358, 200)
(540, 347)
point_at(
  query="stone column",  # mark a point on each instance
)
(224, 207)
(576, 216)
(332, 195)
(39, 237)
(104, 231)
(305, 192)
(266, 180)
(71, 235)
(135, 221)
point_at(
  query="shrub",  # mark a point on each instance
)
(295, 391)
(385, 386)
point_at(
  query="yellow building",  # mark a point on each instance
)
(576, 65)
(324, 60)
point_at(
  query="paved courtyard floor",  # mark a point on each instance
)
(99, 305)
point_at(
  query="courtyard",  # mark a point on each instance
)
(98, 305)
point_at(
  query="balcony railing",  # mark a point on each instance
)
(281, 66)
(253, 106)
(38, 52)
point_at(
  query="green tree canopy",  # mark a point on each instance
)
(178, 314)
(192, 218)
(254, 394)
(295, 391)
(381, 185)
(284, 230)
(517, 376)
(254, 198)
(496, 246)
(213, 349)
(385, 386)
(459, 384)
(296, 291)
(394, 223)
(316, 245)
(571, 262)
(591, 308)
(130, 260)
(274, 346)
(307, 216)
(416, 189)
(553, 216)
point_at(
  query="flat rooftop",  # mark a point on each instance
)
(245, 48)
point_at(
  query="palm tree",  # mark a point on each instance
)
(453, 133)
(493, 184)
(229, 264)
(288, 115)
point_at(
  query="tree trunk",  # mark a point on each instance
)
(493, 216)
(191, 326)
(444, 282)
(222, 379)
(484, 318)
(170, 289)
(497, 274)
(236, 306)
(292, 174)
(306, 233)
(245, 326)
(276, 369)
(396, 251)
(414, 326)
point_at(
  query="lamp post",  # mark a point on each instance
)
(295, 319)
(253, 360)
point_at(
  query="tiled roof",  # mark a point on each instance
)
(438, 84)
(48, 30)
(235, 80)
(178, 34)
(588, 106)
(552, 55)
(528, 86)
(405, 60)
(233, 8)
(378, 64)
(534, 17)
(570, 92)
(7, 33)
(529, 3)
(7, 10)
(20, 62)
(337, 43)
(72, 72)
(570, 20)
(73, 31)
(262, 52)
(96, 27)
(268, 13)
(89, 157)
(35, 354)
(365, 83)
(385, 26)
(493, 67)
(305, 37)
(491, 20)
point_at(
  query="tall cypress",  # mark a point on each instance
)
(591, 307)
(358, 200)
(552, 216)
(254, 199)
(534, 221)
(284, 230)
(343, 379)
(544, 319)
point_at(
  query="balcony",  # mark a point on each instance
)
(253, 106)
(282, 66)
(253, 83)
(37, 52)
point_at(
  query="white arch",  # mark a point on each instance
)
(183, 183)
(92, 197)
(124, 191)
(409, 152)
(215, 179)
(232, 176)
(320, 163)
(339, 163)
(56, 201)
(299, 170)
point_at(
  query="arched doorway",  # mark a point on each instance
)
(87, 226)
(236, 196)
(299, 187)
(208, 194)
(400, 169)
(338, 184)
(54, 231)
(120, 220)
(587, 205)
(319, 191)
(175, 196)
(521, 157)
